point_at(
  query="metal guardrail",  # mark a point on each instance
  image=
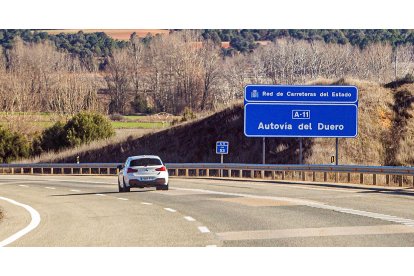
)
(376, 175)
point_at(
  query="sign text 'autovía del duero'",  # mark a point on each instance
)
(300, 111)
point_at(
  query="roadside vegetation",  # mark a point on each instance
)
(185, 75)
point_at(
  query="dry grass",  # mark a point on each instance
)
(374, 116)
(404, 155)
(122, 135)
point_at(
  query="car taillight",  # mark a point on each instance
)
(130, 170)
(162, 169)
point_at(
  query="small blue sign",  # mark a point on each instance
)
(301, 93)
(300, 120)
(222, 147)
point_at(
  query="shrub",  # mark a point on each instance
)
(188, 114)
(12, 146)
(86, 127)
(53, 138)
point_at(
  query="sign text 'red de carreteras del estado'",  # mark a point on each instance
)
(300, 111)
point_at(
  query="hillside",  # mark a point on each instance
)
(386, 136)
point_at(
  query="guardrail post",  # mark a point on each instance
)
(197, 172)
(12, 170)
(22, 171)
(283, 175)
(400, 181)
(71, 170)
(336, 177)
(325, 176)
(186, 172)
(374, 179)
(313, 176)
(229, 173)
(107, 171)
(252, 173)
(361, 178)
(349, 177)
(240, 173)
(207, 172)
(51, 170)
(387, 180)
(273, 175)
(262, 174)
(303, 175)
(41, 170)
(89, 170)
(31, 170)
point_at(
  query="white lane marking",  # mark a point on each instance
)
(50, 188)
(77, 191)
(146, 203)
(203, 229)
(314, 204)
(100, 195)
(23, 186)
(170, 210)
(189, 218)
(32, 225)
(121, 198)
(211, 245)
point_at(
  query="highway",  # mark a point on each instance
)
(88, 211)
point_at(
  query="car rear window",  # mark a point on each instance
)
(145, 162)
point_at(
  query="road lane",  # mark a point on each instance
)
(236, 213)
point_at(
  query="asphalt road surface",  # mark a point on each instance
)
(88, 211)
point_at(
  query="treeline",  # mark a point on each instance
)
(246, 40)
(180, 70)
(90, 48)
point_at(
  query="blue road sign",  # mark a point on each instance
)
(222, 147)
(301, 93)
(300, 120)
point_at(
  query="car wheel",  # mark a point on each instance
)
(120, 189)
(126, 189)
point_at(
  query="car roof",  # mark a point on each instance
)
(143, 156)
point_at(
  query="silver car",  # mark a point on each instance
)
(142, 171)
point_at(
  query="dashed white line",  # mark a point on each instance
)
(23, 186)
(170, 210)
(77, 191)
(100, 195)
(50, 188)
(211, 245)
(121, 198)
(146, 203)
(32, 225)
(203, 229)
(314, 204)
(189, 218)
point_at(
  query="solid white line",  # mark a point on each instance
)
(170, 210)
(75, 190)
(23, 186)
(146, 203)
(211, 245)
(121, 198)
(99, 194)
(32, 225)
(50, 188)
(189, 218)
(203, 229)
